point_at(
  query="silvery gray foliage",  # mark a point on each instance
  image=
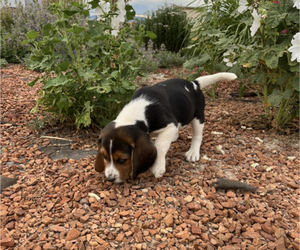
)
(23, 19)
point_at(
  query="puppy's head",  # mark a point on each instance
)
(124, 150)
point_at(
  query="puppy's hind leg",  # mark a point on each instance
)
(194, 152)
(162, 144)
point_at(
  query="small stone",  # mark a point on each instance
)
(157, 216)
(236, 240)
(231, 194)
(57, 228)
(229, 204)
(223, 229)
(194, 217)
(279, 233)
(183, 235)
(137, 214)
(49, 206)
(251, 234)
(231, 248)
(73, 234)
(71, 161)
(194, 181)
(169, 199)
(152, 231)
(47, 220)
(152, 193)
(96, 206)
(48, 246)
(10, 225)
(210, 205)
(280, 244)
(79, 212)
(145, 190)
(169, 220)
(20, 212)
(267, 227)
(295, 212)
(84, 201)
(259, 220)
(119, 237)
(204, 237)
(161, 246)
(196, 230)
(205, 220)
(240, 156)
(189, 198)
(77, 196)
(125, 227)
(292, 184)
(84, 219)
(7, 242)
(124, 213)
(194, 206)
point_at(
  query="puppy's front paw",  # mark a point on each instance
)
(158, 170)
(192, 155)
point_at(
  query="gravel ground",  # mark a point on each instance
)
(65, 204)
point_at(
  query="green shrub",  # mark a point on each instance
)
(17, 22)
(212, 22)
(168, 59)
(254, 41)
(95, 81)
(171, 26)
(6, 16)
(3, 62)
(152, 59)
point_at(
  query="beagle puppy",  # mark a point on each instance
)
(125, 145)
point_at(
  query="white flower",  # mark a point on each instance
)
(114, 32)
(295, 48)
(120, 18)
(229, 60)
(99, 11)
(242, 6)
(296, 4)
(121, 7)
(256, 22)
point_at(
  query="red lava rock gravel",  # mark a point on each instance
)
(65, 204)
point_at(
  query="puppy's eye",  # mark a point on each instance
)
(121, 161)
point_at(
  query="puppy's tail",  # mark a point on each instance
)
(205, 81)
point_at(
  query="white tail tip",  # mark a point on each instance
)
(205, 81)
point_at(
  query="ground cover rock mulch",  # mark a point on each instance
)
(65, 204)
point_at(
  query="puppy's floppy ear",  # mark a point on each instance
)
(143, 155)
(99, 161)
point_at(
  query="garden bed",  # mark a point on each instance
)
(55, 203)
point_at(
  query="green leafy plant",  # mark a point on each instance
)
(96, 79)
(3, 62)
(168, 59)
(267, 61)
(38, 123)
(171, 26)
(253, 40)
(212, 22)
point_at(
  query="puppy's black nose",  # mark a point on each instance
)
(110, 178)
